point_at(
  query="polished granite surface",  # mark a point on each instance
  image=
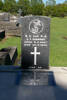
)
(29, 85)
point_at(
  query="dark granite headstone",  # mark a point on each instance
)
(2, 34)
(35, 41)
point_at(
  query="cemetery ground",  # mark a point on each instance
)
(32, 84)
(58, 42)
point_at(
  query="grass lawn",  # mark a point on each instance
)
(58, 45)
(11, 41)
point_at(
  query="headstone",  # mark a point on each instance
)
(20, 12)
(5, 58)
(13, 19)
(12, 52)
(35, 42)
(2, 34)
(4, 17)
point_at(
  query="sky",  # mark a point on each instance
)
(57, 1)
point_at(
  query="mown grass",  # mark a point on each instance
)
(58, 45)
(11, 41)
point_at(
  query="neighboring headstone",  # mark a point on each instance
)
(5, 58)
(2, 34)
(13, 19)
(35, 41)
(1, 16)
(20, 12)
(10, 28)
(4, 17)
(12, 52)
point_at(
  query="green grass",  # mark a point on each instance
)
(12, 41)
(58, 46)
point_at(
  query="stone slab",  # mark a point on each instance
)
(5, 58)
(10, 28)
(11, 88)
(37, 78)
(12, 52)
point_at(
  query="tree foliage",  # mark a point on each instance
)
(9, 5)
(35, 7)
(24, 5)
(65, 2)
(51, 2)
(35, 2)
(56, 11)
(1, 4)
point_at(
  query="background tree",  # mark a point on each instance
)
(37, 7)
(25, 6)
(1, 4)
(9, 5)
(35, 2)
(65, 2)
(51, 2)
(59, 10)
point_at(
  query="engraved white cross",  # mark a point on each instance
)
(35, 53)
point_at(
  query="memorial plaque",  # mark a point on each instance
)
(35, 42)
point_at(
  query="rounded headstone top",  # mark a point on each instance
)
(37, 16)
(20, 20)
